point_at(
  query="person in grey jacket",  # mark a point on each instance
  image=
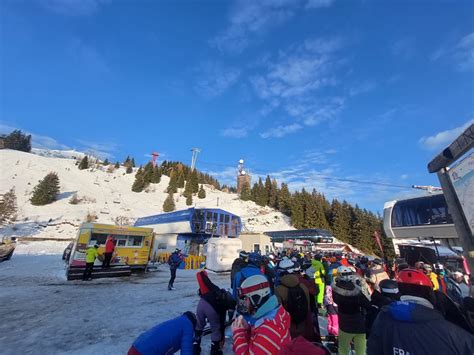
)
(413, 326)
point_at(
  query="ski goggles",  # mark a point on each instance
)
(243, 291)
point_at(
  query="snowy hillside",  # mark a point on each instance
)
(105, 194)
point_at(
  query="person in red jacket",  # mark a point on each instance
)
(263, 326)
(109, 250)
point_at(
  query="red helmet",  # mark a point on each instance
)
(414, 277)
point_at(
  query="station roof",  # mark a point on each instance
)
(176, 216)
(314, 235)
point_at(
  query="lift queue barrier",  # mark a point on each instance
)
(190, 261)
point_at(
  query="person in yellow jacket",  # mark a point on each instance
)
(91, 254)
(319, 278)
(433, 277)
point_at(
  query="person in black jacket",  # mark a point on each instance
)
(352, 305)
(388, 293)
(414, 326)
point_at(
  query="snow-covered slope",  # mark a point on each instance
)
(106, 194)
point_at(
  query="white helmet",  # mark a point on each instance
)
(344, 273)
(286, 265)
(253, 293)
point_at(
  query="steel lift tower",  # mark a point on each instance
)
(195, 151)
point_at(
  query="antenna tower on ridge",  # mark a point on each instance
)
(243, 177)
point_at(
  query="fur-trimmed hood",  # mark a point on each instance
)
(346, 288)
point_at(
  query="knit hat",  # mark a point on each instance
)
(192, 317)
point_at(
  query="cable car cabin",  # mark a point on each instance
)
(132, 250)
(419, 218)
(190, 229)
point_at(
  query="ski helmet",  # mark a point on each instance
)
(253, 292)
(388, 286)
(344, 273)
(414, 277)
(286, 265)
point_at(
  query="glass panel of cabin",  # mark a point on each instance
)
(135, 241)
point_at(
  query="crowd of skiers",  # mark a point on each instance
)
(274, 303)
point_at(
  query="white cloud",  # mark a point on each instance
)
(281, 131)
(443, 139)
(73, 7)
(394, 79)
(462, 53)
(362, 88)
(233, 132)
(404, 48)
(250, 19)
(465, 53)
(102, 149)
(292, 80)
(215, 79)
(313, 4)
(88, 57)
(37, 140)
(404, 176)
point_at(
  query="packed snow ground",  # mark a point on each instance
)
(104, 193)
(42, 313)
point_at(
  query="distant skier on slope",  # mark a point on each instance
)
(174, 260)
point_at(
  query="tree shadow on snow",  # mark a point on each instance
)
(66, 194)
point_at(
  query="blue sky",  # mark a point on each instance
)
(304, 90)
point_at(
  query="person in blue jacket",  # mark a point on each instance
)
(174, 260)
(413, 325)
(167, 338)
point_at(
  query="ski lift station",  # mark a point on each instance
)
(194, 228)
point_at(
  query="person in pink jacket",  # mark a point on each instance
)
(331, 308)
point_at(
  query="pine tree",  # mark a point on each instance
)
(194, 181)
(46, 191)
(180, 182)
(188, 189)
(84, 164)
(169, 205)
(106, 162)
(8, 207)
(139, 184)
(189, 200)
(297, 210)
(261, 195)
(273, 201)
(245, 194)
(284, 199)
(340, 221)
(17, 140)
(320, 212)
(173, 184)
(117, 165)
(129, 169)
(132, 162)
(126, 162)
(268, 190)
(148, 173)
(202, 192)
(156, 175)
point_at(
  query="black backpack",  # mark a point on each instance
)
(297, 304)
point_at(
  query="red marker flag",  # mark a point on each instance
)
(378, 240)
